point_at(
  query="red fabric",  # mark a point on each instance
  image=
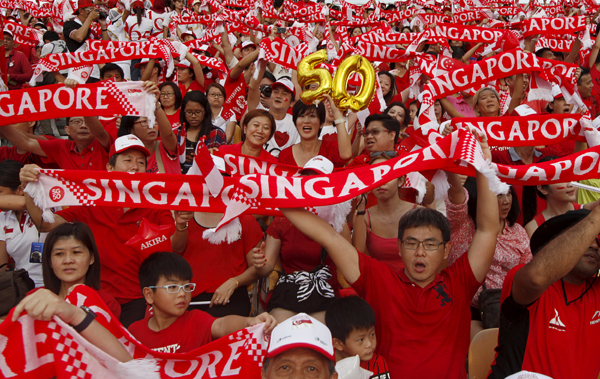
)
(26, 50)
(113, 227)
(111, 303)
(540, 218)
(93, 157)
(212, 264)
(18, 69)
(593, 103)
(236, 149)
(110, 125)
(170, 161)
(188, 332)
(595, 78)
(236, 96)
(11, 152)
(194, 86)
(569, 352)
(328, 149)
(383, 249)
(174, 119)
(378, 366)
(417, 326)
(298, 252)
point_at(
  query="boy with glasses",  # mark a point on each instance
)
(165, 282)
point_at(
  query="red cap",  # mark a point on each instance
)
(85, 4)
(127, 142)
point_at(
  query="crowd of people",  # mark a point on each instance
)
(397, 276)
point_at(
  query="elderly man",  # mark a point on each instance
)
(550, 315)
(300, 347)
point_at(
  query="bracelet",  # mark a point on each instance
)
(237, 284)
(104, 30)
(361, 213)
(183, 229)
(339, 121)
(89, 317)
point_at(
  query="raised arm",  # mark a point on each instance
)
(343, 254)
(197, 67)
(517, 94)
(343, 139)
(456, 194)
(21, 140)
(254, 88)
(227, 50)
(555, 260)
(30, 173)
(239, 68)
(359, 226)
(481, 251)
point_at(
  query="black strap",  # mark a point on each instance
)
(324, 255)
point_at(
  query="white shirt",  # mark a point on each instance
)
(18, 243)
(286, 135)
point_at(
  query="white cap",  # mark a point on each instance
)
(301, 330)
(527, 375)
(8, 32)
(127, 142)
(285, 82)
(319, 164)
(248, 43)
(184, 63)
(556, 92)
(525, 110)
(196, 2)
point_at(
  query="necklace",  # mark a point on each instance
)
(567, 302)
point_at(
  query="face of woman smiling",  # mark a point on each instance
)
(386, 84)
(258, 131)
(308, 125)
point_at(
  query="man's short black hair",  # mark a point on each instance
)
(584, 71)
(50, 36)
(387, 121)
(268, 75)
(424, 217)
(165, 264)
(111, 67)
(346, 314)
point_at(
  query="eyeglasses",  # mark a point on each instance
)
(166, 94)
(76, 122)
(412, 244)
(195, 113)
(374, 132)
(175, 288)
(387, 153)
(142, 122)
(216, 95)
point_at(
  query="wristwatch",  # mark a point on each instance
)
(90, 316)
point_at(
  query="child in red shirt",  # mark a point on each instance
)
(351, 321)
(165, 281)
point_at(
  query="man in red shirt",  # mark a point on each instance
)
(112, 228)
(550, 313)
(87, 149)
(423, 313)
(17, 67)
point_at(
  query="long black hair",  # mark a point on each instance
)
(471, 187)
(81, 232)
(9, 174)
(200, 98)
(393, 90)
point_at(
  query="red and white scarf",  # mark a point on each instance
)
(105, 98)
(557, 25)
(32, 349)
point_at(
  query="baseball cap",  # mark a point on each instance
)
(525, 110)
(127, 142)
(301, 330)
(84, 4)
(196, 2)
(6, 31)
(550, 229)
(248, 43)
(187, 34)
(285, 82)
(319, 164)
(184, 63)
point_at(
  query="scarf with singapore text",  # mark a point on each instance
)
(31, 349)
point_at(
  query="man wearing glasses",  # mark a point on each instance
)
(423, 312)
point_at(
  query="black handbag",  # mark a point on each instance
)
(14, 285)
(489, 307)
(303, 291)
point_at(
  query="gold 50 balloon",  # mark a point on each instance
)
(308, 74)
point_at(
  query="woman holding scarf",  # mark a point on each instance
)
(258, 128)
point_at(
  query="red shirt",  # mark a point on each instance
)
(298, 252)
(110, 125)
(212, 265)
(188, 332)
(378, 366)
(236, 149)
(18, 69)
(550, 337)
(169, 159)
(422, 332)
(194, 86)
(328, 149)
(7, 152)
(61, 151)
(112, 228)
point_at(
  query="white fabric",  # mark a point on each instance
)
(221, 123)
(285, 126)
(18, 244)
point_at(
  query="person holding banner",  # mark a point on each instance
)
(113, 228)
(442, 311)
